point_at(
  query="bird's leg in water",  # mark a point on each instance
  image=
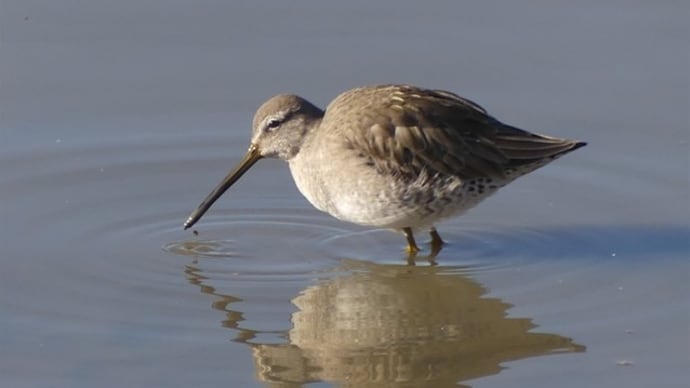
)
(412, 247)
(436, 242)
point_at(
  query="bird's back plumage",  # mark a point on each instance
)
(403, 130)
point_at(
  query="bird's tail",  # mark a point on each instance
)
(522, 147)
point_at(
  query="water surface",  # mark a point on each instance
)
(116, 120)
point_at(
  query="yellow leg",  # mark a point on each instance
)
(412, 247)
(436, 242)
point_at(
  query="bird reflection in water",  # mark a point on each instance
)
(390, 325)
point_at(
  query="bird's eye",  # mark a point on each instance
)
(272, 124)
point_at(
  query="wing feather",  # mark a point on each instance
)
(404, 130)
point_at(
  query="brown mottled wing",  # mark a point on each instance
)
(404, 130)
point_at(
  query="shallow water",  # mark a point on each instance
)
(117, 120)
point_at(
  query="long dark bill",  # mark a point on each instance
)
(247, 162)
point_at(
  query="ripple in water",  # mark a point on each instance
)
(113, 205)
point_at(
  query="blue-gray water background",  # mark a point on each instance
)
(117, 118)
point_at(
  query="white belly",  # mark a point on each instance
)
(362, 196)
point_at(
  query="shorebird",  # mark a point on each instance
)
(392, 156)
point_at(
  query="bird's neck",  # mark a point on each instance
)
(310, 128)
